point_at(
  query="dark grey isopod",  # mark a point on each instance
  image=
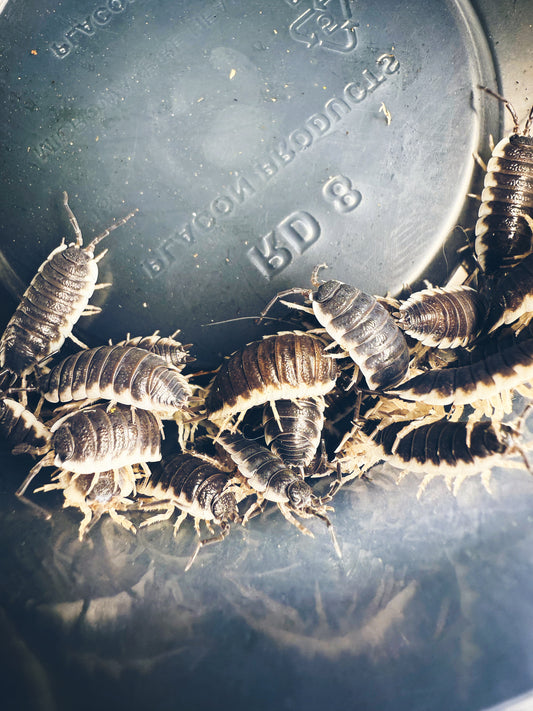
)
(297, 440)
(360, 325)
(52, 304)
(504, 228)
(443, 317)
(444, 444)
(506, 369)
(197, 488)
(95, 440)
(512, 295)
(365, 329)
(266, 473)
(283, 366)
(20, 426)
(125, 374)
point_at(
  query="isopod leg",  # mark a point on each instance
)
(206, 542)
(122, 520)
(291, 519)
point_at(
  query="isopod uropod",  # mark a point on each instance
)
(54, 301)
(361, 326)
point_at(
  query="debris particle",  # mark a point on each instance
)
(383, 109)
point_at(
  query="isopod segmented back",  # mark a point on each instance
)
(443, 317)
(283, 366)
(365, 329)
(504, 229)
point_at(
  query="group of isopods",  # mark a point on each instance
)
(422, 383)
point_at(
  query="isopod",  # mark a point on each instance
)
(500, 372)
(97, 494)
(125, 374)
(361, 326)
(280, 367)
(94, 440)
(172, 351)
(197, 488)
(512, 296)
(54, 301)
(267, 475)
(21, 426)
(504, 227)
(294, 431)
(455, 450)
(443, 317)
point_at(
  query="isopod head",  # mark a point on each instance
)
(225, 509)
(64, 446)
(300, 494)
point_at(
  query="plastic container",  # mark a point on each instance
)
(258, 140)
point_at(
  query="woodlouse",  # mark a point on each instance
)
(197, 488)
(19, 425)
(173, 352)
(283, 366)
(490, 376)
(267, 475)
(96, 494)
(361, 326)
(443, 317)
(125, 374)
(504, 228)
(455, 450)
(293, 429)
(94, 440)
(54, 301)
(512, 297)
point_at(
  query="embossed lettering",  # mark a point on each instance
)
(301, 138)
(355, 92)
(300, 230)
(102, 16)
(372, 79)
(222, 205)
(282, 153)
(204, 221)
(320, 123)
(267, 169)
(388, 63)
(337, 108)
(242, 188)
(276, 250)
(340, 192)
(269, 258)
(61, 49)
